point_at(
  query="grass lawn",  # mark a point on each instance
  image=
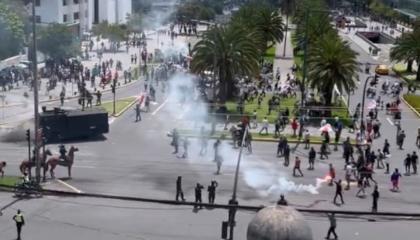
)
(263, 111)
(413, 100)
(340, 110)
(270, 54)
(401, 70)
(10, 180)
(120, 104)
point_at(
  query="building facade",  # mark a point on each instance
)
(82, 13)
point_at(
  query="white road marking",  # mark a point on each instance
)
(160, 107)
(69, 186)
(111, 120)
(390, 121)
(84, 167)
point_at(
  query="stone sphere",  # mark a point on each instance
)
(279, 223)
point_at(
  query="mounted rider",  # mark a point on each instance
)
(63, 151)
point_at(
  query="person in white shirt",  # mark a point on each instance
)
(264, 126)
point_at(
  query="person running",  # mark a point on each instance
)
(375, 197)
(212, 191)
(312, 156)
(407, 164)
(286, 153)
(361, 183)
(297, 167)
(400, 139)
(20, 221)
(264, 126)
(333, 226)
(395, 178)
(385, 149)
(179, 192)
(414, 162)
(338, 192)
(137, 109)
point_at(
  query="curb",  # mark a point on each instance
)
(411, 107)
(274, 140)
(125, 108)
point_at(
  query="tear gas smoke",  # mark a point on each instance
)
(190, 112)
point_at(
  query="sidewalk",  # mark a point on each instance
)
(283, 60)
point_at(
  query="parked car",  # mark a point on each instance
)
(382, 69)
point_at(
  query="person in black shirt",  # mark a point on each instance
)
(375, 196)
(312, 156)
(179, 192)
(198, 189)
(414, 161)
(212, 191)
(338, 192)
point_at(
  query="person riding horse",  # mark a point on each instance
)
(63, 151)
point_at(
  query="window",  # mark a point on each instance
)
(38, 19)
(64, 2)
(38, 3)
(76, 1)
(65, 18)
(76, 16)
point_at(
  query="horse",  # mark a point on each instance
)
(27, 165)
(2, 166)
(56, 160)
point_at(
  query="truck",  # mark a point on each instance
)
(59, 124)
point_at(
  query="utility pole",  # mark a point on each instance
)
(233, 201)
(28, 139)
(35, 84)
(305, 66)
(113, 88)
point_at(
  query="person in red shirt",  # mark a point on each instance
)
(295, 126)
(297, 168)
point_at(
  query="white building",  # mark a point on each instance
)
(82, 13)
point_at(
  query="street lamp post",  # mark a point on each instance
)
(35, 85)
(363, 104)
(233, 202)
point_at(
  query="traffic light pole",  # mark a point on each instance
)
(35, 84)
(28, 139)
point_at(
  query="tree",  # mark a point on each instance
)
(228, 51)
(135, 22)
(263, 22)
(407, 49)
(11, 32)
(57, 41)
(332, 63)
(113, 32)
(142, 6)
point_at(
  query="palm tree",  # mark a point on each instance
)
(407, 49)
(332, 63)
(228, 52)
(263, 22)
